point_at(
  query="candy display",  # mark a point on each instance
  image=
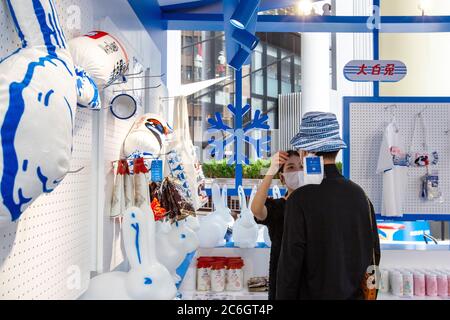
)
(415, 282)
(220, 274)
(172, 200)
(235, 274)
(158, 211)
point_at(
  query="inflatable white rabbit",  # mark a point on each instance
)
(147, 279)
(245, 229)
(38, 98)
(192, 223)
(214, 226)
(276, 193)
(229, 218)
(175, 241)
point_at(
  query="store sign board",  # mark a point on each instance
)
(375, 70)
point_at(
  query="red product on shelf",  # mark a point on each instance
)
(218, 275)
(235, 274)
(204, 273)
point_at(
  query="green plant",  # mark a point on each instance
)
(339, 166)
(255, 170)
(220, 169)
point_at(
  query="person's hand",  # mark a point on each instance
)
(277, 160)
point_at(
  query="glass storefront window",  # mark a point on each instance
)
(286, 73)
(297, 74)
(274, 70)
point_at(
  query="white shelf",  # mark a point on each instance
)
(390, 296)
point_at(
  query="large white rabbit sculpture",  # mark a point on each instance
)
(192, 223)
(175, 241)
(147, 279)
(245, 229)
(214, 226)
(38, 99)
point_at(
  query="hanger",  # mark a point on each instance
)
(393, 118)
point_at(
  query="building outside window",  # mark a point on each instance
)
(274, 69)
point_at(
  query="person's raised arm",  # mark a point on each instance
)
(258, 205)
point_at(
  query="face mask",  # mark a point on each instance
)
(293, 180)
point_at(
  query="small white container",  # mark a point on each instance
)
(408, 284)
(384, 285)
(396, 281)
(235, 280)
(204, 273)
(235, 275)
(218, 277)
(419, 284)
(431, 284)
(442, 285)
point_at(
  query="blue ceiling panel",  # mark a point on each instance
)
(208, 15)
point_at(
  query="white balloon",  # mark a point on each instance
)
(147, 279)
(101, 55)
(38, 100)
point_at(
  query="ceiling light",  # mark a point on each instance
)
(304, 7)
(244, 13)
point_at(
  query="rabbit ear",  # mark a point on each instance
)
(276, 192)
(225, 196)
(217, 200)
(252, 196)
(30, 17)
(242, 198)
(133, 235)
(139, 236)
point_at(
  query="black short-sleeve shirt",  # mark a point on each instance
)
(274, 222)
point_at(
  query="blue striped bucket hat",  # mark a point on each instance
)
(319, 132)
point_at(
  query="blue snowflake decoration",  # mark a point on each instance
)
(238, 137)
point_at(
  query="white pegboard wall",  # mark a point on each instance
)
(38, 253)
(51, 243)
(112, 134)
(367, 124)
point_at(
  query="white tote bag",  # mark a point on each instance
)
(182, 162)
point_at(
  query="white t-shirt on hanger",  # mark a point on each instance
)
(394, 171)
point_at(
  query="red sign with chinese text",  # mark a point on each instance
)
(375, 70)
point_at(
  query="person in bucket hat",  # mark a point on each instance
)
(319, 132)
(330, 235)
